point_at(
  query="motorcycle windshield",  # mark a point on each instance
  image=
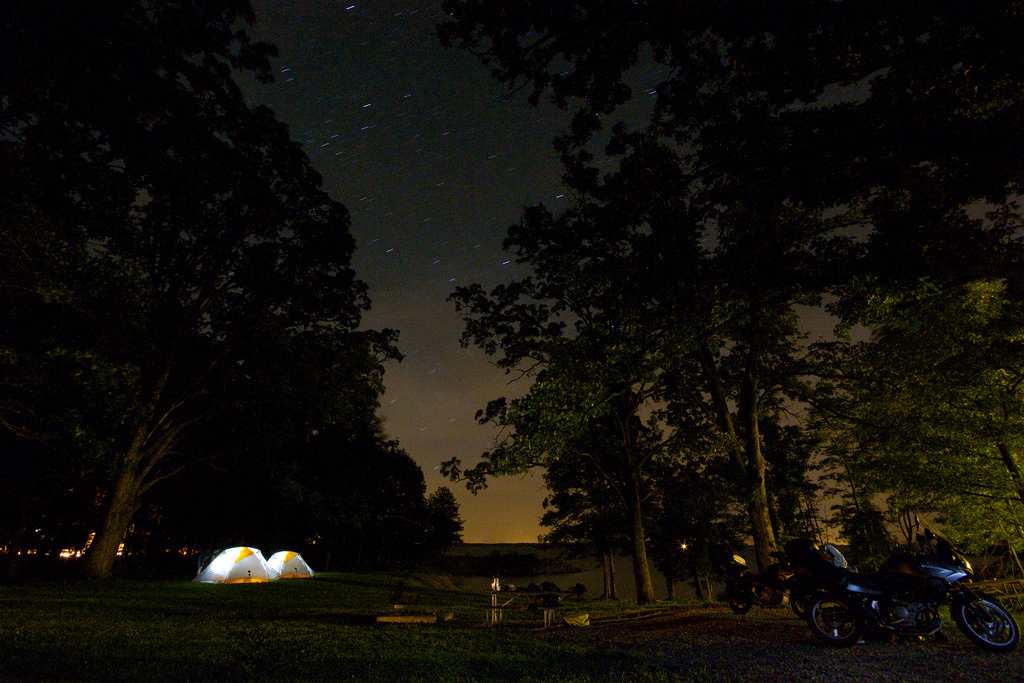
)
(943, 549)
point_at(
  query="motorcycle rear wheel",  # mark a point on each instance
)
(798, 603)
(987, 623)
(741, 604)
(833, 621)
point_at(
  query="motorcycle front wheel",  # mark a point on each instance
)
(832, 620)
(986, 622)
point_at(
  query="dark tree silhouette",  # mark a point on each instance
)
(829, 144)
(142, 153)
(444, 522)
(584, 508)
(579, 326)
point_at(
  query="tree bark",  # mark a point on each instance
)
(747, 457)
(670, 587)
(124, 499)
(757, 490)
(1011, 466)
(720, 405)
(604, 575)
(638, 534)
(700, 583)
(613, 591)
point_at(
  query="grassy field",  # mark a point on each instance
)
(288, 630)
(323, 629)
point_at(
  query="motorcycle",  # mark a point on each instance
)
(793, 575)
(903, 598)
(744, 588)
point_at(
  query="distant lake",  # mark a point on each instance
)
(561, 557)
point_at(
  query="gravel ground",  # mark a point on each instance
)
(773, 645)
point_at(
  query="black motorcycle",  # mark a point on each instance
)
(903, 598)
(744, 588)
(792, 576)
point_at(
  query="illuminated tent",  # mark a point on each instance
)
(236, 565)
(287, 564)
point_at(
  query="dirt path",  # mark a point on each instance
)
(773, 645)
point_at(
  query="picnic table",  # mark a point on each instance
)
(1008, 591)
(532, 598)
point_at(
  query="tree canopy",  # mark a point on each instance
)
(798, 154)
(175, 279)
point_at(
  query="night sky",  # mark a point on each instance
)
(434, 160)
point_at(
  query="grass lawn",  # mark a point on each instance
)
(319, 629)
(324, 629)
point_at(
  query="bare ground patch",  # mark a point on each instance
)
(714, 644)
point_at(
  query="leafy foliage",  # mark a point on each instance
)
(795, 151)
(178, 294)
(933, 405)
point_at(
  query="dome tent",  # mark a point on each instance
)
(241, 564)
(287, 564)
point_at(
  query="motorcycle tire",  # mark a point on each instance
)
(741, 604)
(798, 603)
(771, 598)
(986, 622)
(833, 621)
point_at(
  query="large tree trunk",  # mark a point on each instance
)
(703, 587)
(613, 591)
(764, 539)
(1010, 463)
(604, 575)
(757, 490)
(124, 499)
(156, 431)
(747, 457)
(638, 534)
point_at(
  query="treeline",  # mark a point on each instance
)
(181, 359)
(858, 159)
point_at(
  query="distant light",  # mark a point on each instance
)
(350, 8)
(682, 546)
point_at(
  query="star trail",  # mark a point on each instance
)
(433, 160)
